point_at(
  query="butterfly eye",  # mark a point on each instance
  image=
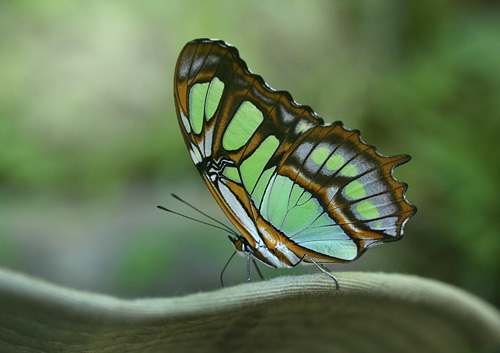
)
(238, 243)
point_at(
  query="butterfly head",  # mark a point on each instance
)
(241, 245)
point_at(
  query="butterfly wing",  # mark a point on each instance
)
(335, 196)
(290, 184)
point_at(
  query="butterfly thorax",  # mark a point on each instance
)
(277, 257)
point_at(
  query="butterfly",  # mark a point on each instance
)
(297, 190)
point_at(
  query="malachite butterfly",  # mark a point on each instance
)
(298, 190)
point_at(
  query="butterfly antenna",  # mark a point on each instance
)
(204, 214)
(226, 229)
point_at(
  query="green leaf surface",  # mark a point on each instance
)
(371, 312)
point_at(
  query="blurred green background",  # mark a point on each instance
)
(89, 142)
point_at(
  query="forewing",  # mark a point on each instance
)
(233, 123)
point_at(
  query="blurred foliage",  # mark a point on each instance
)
(89, 142)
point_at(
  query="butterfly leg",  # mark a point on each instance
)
(224, 269)
(256, 267)
(258, 270)
(249, 278)
(320, 267)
